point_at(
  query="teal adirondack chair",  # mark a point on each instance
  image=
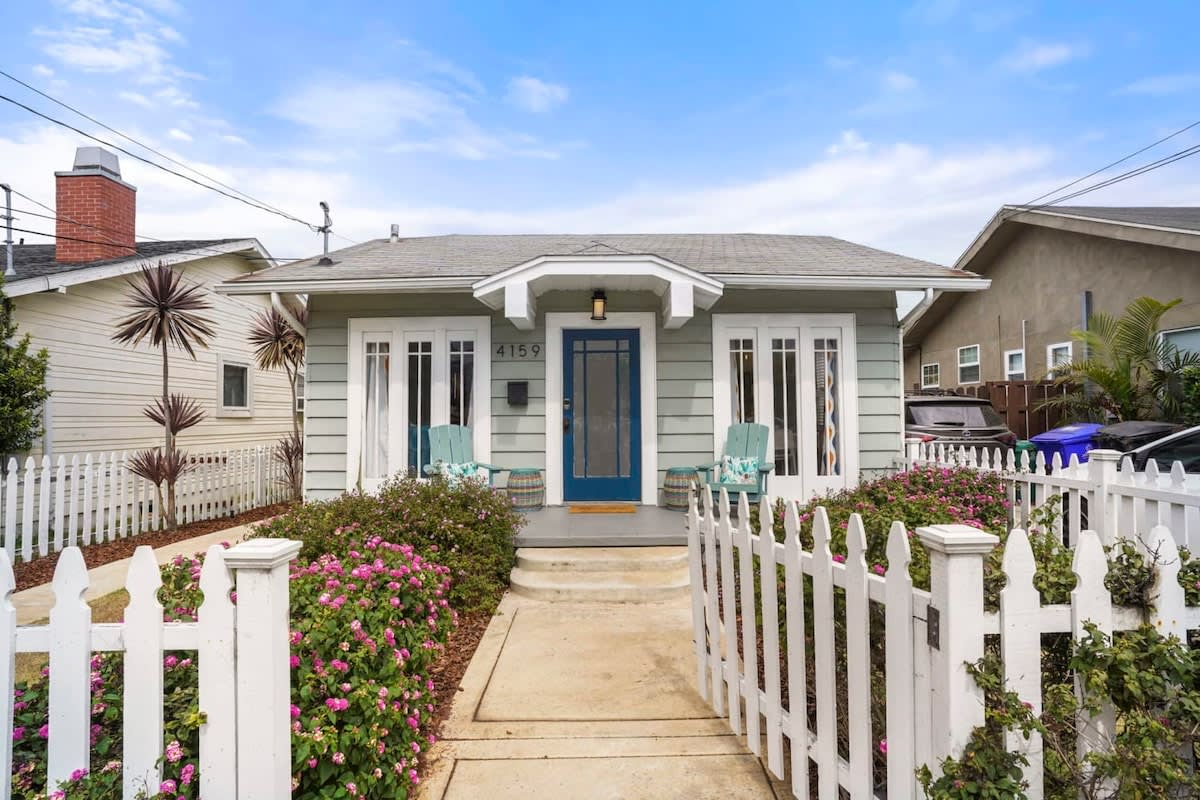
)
(453, 444)
(744, 440)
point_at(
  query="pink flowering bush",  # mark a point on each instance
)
(469, 528)
(375, 620)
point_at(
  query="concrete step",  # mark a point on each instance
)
(601, 559)
(632, 586)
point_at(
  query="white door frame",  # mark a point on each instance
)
(397, 331)
(646, 323)
(805, 324)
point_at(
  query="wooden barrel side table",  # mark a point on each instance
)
(678, 487)
(526, 488)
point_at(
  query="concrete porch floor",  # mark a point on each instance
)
(648, 526)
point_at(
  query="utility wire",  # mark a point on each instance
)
(153, 163)
(1124, 176)
(1107, 167)
(260, 203)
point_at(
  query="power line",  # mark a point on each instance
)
(155, 164)
(133, 249)
(259, 203)
(1110, 166)
(1124, 176)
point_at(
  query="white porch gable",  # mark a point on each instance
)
(516, 289)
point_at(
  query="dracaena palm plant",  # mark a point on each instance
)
(165, 312)
(1130, 371)
(280, 345)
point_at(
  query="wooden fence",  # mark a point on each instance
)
(823, 738)
(1105, 493)
(241, 652)
(49, 504)
(1018, 403)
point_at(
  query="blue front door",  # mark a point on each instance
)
(602, 422)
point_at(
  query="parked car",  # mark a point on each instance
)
(956, 421)
(1183, 447)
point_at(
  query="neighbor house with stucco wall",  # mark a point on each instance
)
(1052, 268)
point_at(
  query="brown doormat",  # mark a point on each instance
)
(603, 508)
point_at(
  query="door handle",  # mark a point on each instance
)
(566, 424)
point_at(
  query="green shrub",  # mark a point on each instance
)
(469, 528)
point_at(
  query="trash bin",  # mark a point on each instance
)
(1026, 453)
(1067, 441)
(1126, 436)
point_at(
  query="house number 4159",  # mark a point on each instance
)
(519, 350)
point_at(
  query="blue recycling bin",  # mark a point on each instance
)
(1069, 440)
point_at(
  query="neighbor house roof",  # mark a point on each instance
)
(1163, 226)
(456, 259)
(38, 271)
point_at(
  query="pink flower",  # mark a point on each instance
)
(339, 758)
(167, 787)
(839, 558)
(185, 775)
(174, 752)
(878, 569)
(883, 746)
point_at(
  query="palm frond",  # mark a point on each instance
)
(277, 345)
(182, 413)
(165, 310)
(158, 468)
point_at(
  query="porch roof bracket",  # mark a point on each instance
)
(519, 305)
(678, 304)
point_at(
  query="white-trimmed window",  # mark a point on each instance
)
(931, 376)
(1058, 355)
(1185, 340)
(1014, 365)
(235, 387)
(300, 393)
(968, 364)
(406, 375)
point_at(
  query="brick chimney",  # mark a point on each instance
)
(94, 204)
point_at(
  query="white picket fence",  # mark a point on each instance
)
(932, 702)
(49, 503)
(241, 652)
(1104, 494)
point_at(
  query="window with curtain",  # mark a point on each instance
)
(741, 370)
(420, 402)
(375, 417)
(784, 357)
(462, 375)
(827, 381)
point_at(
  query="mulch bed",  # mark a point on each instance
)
(447, 672)
(41, 570)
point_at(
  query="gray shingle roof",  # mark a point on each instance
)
(37, 260)
(1185, 218)
(465, 256)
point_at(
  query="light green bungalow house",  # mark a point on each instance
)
(603, 360)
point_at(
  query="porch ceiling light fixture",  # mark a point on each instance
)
(599, 305)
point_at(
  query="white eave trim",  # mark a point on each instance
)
(851, 282)
(57, 282)
(346, 286)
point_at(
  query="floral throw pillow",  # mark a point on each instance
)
(457, 473)
(736, 469)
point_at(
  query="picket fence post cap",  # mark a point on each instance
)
(957, 539)
(1104, 455)
(261, 553)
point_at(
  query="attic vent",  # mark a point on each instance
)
(325, 261)
(395, 237)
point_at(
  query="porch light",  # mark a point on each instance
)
(599, 305)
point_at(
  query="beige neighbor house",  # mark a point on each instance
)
(603, 360)
(1051, 268)
(68, 296)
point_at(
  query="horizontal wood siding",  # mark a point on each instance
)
(684, 380)
(99, 387)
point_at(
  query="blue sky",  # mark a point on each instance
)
(902, 126)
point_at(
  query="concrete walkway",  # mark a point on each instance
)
(34, 604)
(590, 702)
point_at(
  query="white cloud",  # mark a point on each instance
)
(1163, 85)
(1030, 56)
(899, 81)
(535, 95)
(233, 139)
(169, 34)
(402, 116)
(42, 71)
(849, 142)
(137, 98)
(179, 136)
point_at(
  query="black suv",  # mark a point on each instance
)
(956, 421)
